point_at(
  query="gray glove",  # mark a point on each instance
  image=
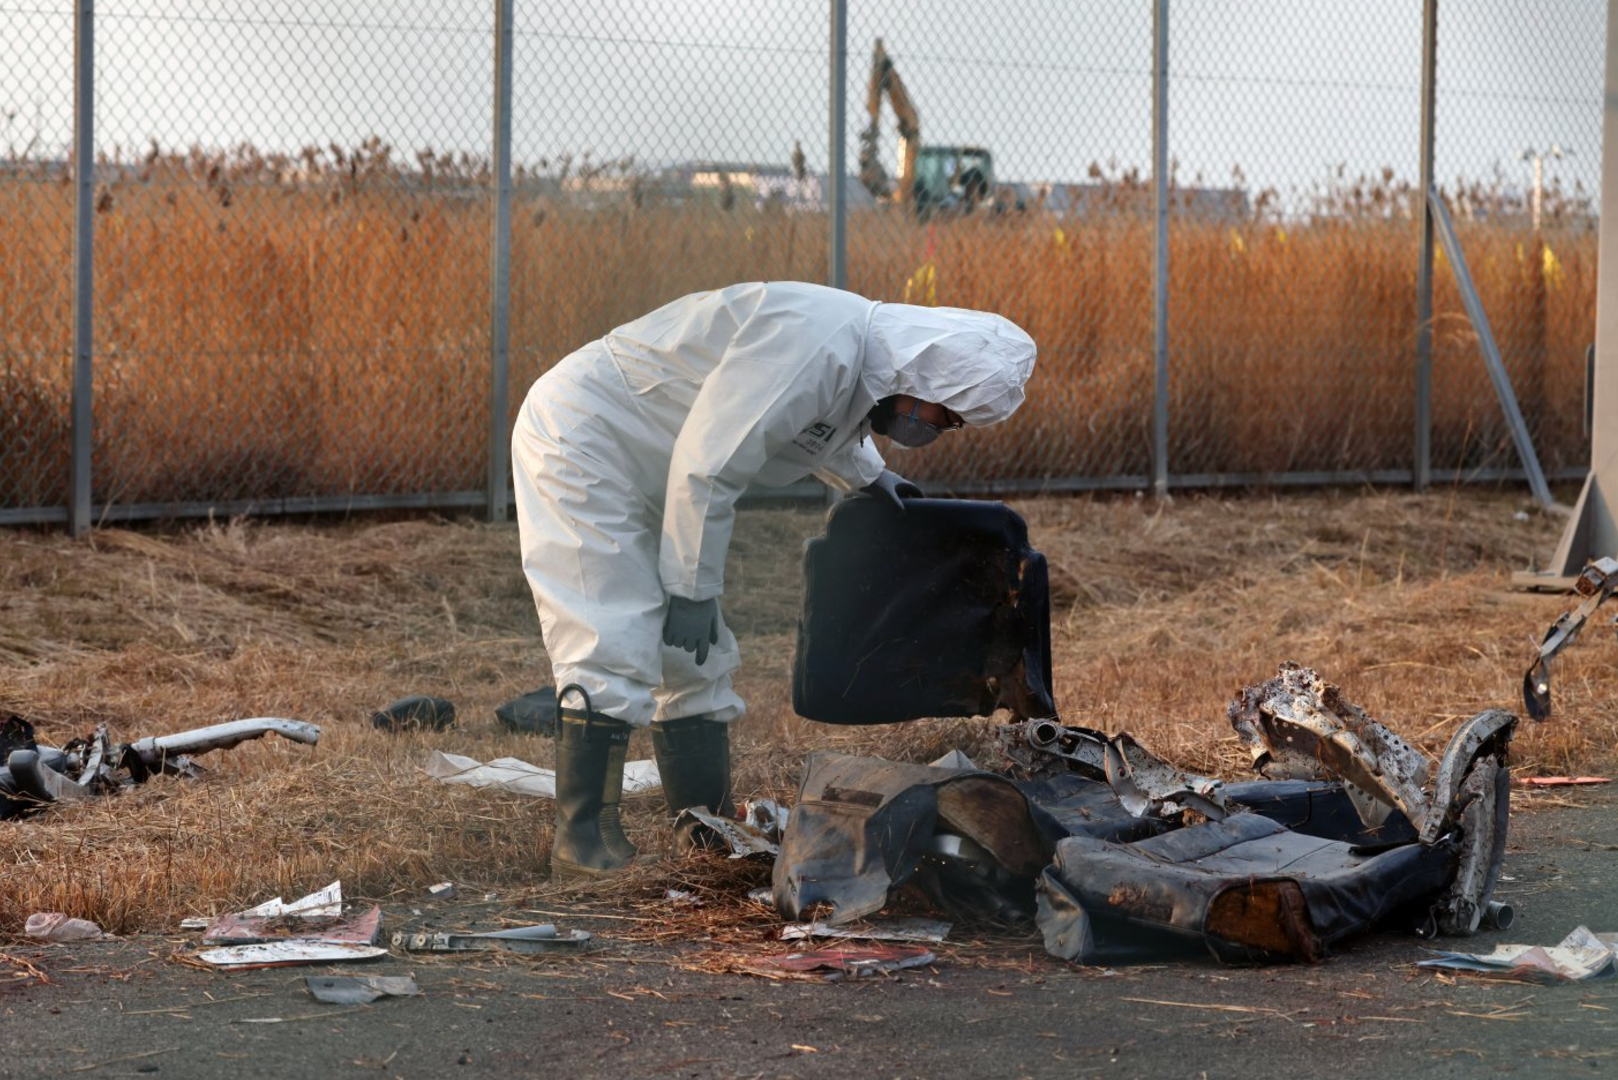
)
(890, 485)
(692, 625)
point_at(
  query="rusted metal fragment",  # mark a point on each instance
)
(1298, 726)
(1598, 581)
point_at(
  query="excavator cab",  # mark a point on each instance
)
(930, 179)
(952, 178)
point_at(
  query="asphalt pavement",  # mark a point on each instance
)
(136, 1007)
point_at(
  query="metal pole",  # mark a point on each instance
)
(1423, 464)
(1160, 289)
(1491, 352)
(78, 515)
(500, 267)
(836, 168)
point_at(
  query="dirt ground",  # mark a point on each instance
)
(1160, 614)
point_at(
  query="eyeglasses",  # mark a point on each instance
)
(951, 421)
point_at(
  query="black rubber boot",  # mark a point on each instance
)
(590, 753)
(693, 758)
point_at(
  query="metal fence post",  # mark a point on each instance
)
(78, 510)
(1421, 468)
(500, 267)
(1160, 289)
(836, 197)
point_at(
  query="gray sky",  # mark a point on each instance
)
(1286, 90)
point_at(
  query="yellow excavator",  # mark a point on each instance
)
(931, 179)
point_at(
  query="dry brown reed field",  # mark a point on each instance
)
(1160, 614)
(264, 336)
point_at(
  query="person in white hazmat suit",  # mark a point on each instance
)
(629, 456)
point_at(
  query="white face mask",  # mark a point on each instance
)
(911, 431)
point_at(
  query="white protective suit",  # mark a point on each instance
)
(629, 456)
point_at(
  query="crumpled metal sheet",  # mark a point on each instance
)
(1145, 784)
(697, 828)
(863, 826)
(1597, 582)
(359, 989)
(1298, 726)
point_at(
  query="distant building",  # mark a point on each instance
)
(741, 185)
(1064, 200)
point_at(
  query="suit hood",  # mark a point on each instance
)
(974, 363)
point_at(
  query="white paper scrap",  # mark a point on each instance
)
(1580, 956)
(319, 904)
(512, 774)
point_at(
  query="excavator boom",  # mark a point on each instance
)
(885, 80)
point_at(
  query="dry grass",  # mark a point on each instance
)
(1160, 615)
(260, 338)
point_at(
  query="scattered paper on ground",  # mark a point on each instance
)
(1580, 956)
(327, 901)
(842, 962)
(513, 774)
(318, 917)
(933, 930)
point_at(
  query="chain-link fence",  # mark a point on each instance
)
(1518, 156)
(36, 256)
(307, 285)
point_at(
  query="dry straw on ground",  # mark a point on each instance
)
(1160, 614)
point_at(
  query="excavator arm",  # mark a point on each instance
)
(885, 80)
